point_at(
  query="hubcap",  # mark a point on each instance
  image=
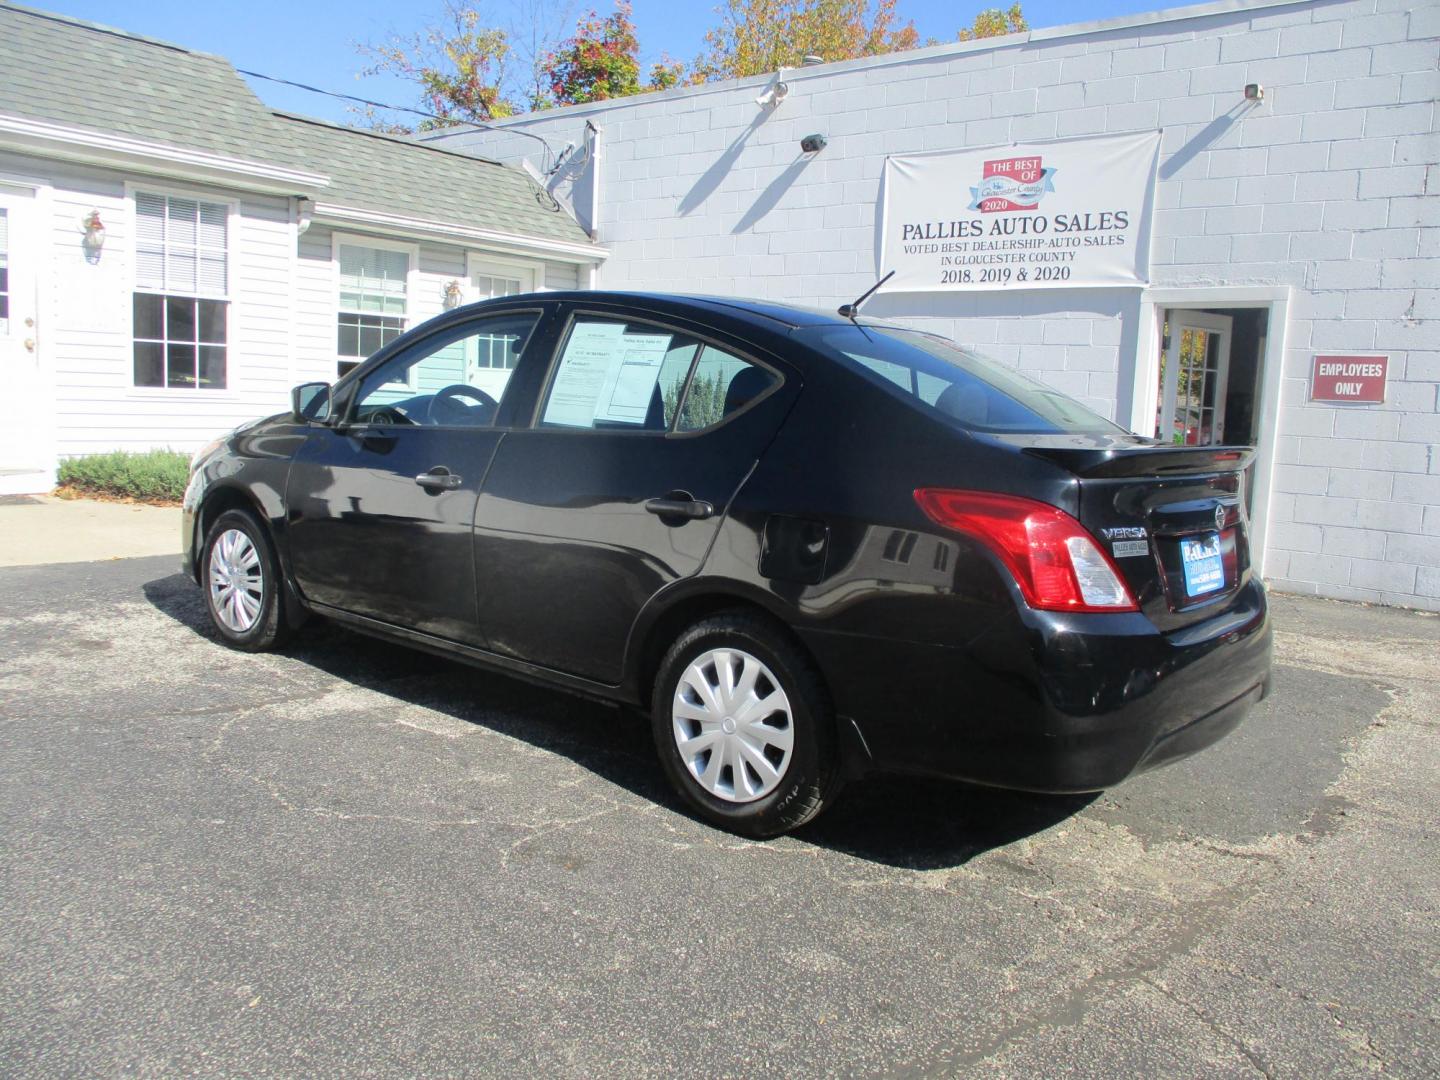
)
(732, 725)
(236, 583)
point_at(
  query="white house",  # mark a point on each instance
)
(1292, 218)
(174, 256)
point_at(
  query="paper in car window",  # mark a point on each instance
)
(592, 356)
(627, 393)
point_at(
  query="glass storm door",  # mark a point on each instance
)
(26, 436)
(1194, 370)
(489, 362)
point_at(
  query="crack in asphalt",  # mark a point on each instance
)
(533, 830)
(1071, 1008)
(1255, 1061)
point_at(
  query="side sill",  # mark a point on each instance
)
(468, 654)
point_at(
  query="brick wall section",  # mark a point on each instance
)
(1330, 186)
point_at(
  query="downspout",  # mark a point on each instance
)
(302, 212)
(592, 272)
(593, 133)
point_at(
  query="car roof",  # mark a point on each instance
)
(750, 310)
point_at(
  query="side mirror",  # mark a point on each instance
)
(310, 401)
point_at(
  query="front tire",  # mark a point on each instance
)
(744, 727)
(241, 578)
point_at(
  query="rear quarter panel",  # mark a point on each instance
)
(850, 458)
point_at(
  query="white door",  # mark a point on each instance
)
(489, 360)
(27, 433)
(1194, 372)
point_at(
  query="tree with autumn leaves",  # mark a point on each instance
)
(992, 22)
(755, 37)
(602, 61)
(460, 65)
(466, 72)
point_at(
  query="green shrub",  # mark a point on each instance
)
(152, 474)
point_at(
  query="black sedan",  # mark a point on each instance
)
(809, 545)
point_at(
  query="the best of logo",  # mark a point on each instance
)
(1012, 184)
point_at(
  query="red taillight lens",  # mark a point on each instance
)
(1056, 563)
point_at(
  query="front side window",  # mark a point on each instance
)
(614, 375)
(436, 383)
(180, 304)
(372, 301)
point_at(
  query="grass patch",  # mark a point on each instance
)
(149, 476)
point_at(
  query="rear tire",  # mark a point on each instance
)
(241, 578)
(744, 726)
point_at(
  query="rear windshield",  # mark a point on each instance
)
(978, 394)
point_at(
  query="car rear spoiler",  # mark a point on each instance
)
(1100, 463)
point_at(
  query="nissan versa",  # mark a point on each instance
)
(810, 546)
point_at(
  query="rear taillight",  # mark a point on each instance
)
(1056, 563)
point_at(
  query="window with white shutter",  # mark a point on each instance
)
(181, 305)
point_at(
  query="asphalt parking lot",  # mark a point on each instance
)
(353, 860)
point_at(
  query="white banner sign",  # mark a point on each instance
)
(1033, 215)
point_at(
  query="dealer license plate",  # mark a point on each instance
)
(1204, 571)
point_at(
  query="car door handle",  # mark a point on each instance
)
(439, 477)
(690, 509)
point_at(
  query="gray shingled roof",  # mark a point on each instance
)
(88, 76)
(380, 172)
(65, 71)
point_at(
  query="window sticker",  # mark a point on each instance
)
(606, 375)
(591, 352)
(627, 393)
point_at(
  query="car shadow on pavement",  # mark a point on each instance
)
(898, 821)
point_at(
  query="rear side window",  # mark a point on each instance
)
(614, 375)
(721, 386)
(968, 389)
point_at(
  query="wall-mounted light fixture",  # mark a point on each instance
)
(94, 239)
(812, 60)
(775, 93)
(454, 294)
(1254, 92)
(813, 144)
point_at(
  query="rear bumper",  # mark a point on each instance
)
(1052, 702)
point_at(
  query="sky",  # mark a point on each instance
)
(316, 42)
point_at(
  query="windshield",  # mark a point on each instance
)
(977, 393)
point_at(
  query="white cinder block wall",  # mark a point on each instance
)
(1330, 187)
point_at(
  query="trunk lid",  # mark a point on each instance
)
(1172, 518)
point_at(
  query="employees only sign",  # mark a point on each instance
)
(1034, 215)
(1349, 378)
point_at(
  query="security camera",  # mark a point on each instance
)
(813, 144)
